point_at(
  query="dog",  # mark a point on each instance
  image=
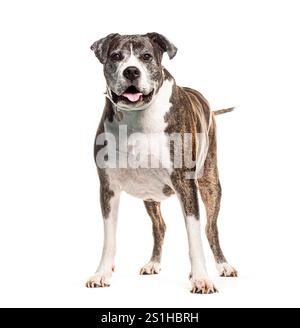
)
(143, 100)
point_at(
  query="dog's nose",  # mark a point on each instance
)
(131, 73)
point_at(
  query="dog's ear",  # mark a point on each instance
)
(101, 47)
(164, 44)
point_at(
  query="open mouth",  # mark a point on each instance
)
(132, 95)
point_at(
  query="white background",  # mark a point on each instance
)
(242, 53)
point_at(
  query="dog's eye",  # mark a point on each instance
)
(116, 57)
(147, 57)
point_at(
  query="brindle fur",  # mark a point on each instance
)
(209, 184)
(105, 192)
(211, 192)
(185, 117)
(167, 190)
(158, 227)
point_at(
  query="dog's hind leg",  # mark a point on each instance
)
(158, 228)
(210, 190)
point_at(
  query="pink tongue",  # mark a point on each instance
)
(133, 97)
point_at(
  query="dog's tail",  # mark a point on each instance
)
(223, 111)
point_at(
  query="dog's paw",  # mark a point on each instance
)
(150, 268)
(98, 280)
(226, 270)
(202, 286)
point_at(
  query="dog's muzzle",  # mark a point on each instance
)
(132, 96)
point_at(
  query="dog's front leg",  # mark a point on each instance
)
(110, 198)
(187, 193)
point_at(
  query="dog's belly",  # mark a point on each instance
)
(143, 183)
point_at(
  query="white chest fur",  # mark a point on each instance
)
(143, 177)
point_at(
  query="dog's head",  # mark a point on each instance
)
(132, 67)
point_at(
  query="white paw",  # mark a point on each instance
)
(226, 270)
(98, 280)
(150, 268)
(202, 286)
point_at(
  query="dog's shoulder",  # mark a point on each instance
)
(190, 111)
(199, 98)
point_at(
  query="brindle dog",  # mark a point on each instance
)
(143, 97)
